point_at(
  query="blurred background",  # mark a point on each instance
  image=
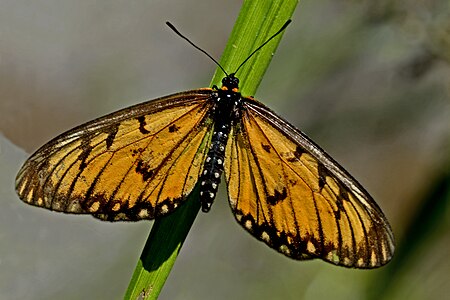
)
(369, 81)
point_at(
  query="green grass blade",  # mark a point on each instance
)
(161, 249)
(257, 21)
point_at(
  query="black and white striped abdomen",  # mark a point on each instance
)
(213, 168)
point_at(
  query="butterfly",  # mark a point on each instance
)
(143, 161)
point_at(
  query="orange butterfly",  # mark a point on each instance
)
(143, 161)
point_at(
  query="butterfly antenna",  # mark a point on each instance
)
(195, 46)
(257, 49)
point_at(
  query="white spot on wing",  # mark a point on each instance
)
(265, 237)
(373, 259)
(121, 216)
(29, 197)
(164, 209)
(347, 261)
(310, 247)
(248, 224)
(360, 262)
(22, 186)
(233, 203)
(143, 213)
(285, 250)
(333, 257)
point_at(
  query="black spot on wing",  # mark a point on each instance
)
(340, 208)
(342, 196)
(142, 124)
(266, 147)
(87, 148)
(135, 152)
(144, 169)
(111, 136)
(292, 159)
(296, 154)
(173, 128)
(277, 196)
(323, 173)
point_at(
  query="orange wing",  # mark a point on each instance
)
(289, 193)
(138, 163)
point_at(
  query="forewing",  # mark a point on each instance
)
(138, 163)
(289, 193)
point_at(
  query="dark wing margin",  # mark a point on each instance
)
(289, 193)
(138, 163)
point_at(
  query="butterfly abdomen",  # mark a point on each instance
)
(224, 114)
(213, 168)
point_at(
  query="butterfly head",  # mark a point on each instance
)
(230, 83)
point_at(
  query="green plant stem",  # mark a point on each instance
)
(257, 21)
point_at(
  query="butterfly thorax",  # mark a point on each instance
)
(225, 112)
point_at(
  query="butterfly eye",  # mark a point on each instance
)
(230, 82)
